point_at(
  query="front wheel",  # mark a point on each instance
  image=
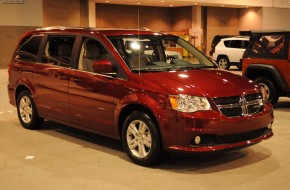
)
(141, 139)
(271, 91)
(27, 112)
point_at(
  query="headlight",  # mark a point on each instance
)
(189, 104)
(264, 94)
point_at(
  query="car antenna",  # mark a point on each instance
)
(139, 59)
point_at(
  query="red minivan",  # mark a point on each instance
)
(150, 99)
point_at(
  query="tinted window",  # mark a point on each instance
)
(270, 46)
(28, 48)
(58, 50)
(227, 43)
(235, 44)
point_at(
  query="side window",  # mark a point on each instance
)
(58, 50)
(245, 44)
(237, 44)
(269, 46)
(28, 48)
(93, 51)
(227, 43)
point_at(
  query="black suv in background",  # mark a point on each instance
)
(267, 61)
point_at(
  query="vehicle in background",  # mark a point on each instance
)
(267, 61)
(229, 51)
(216, 39)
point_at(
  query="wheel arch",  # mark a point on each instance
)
(222, 55)
(19, 89)
(144, 104)
(255, 71)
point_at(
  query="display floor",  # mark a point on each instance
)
(59, 157)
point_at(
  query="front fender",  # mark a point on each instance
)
(155, 104)
(263, 68)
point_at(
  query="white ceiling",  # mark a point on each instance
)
(180, 3)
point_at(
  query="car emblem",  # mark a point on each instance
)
(243, 103)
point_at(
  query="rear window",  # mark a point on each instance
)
(28, 48)
(273, 46)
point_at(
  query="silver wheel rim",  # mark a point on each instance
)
(139, 139)
(223, 63)
(25, 109)
(266, 90)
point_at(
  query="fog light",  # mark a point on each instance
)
(197, 140)
(270, 126)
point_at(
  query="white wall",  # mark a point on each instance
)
(21, 12)
(276, 18)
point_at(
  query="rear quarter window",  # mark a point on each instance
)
(28, 48)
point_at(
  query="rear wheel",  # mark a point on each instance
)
(223, 62)
(141, 139)
(271, 91)
(27, 112)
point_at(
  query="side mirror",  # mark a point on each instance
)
(103, 66)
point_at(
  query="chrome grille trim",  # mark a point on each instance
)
(253, 106)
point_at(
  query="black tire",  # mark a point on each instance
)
(140, 131)
(27, 113)
(272, 94)
(223, 62)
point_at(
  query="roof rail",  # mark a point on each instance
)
(58, 28)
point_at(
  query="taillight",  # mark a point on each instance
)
(9, 69)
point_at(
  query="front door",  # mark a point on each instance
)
(90, 93)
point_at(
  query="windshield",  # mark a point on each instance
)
(151, 53)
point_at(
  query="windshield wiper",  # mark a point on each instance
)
(153, 69)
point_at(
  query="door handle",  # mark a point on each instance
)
(62, 77)
(75, 79)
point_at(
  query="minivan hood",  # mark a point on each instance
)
(202, 82)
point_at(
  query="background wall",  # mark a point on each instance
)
(251, 19)
(276, 18)
(220, 21)
(28, 13)
(16, 19)
(181, 18)
(125, 16)
(64, 13)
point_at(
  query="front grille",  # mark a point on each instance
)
(244, 105)
(234, 138)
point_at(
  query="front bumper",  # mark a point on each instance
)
(218, 132)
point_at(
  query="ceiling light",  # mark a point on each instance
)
(171, 5)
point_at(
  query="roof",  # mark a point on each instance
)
(236, 38)
(105, 31)
(271, 31)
